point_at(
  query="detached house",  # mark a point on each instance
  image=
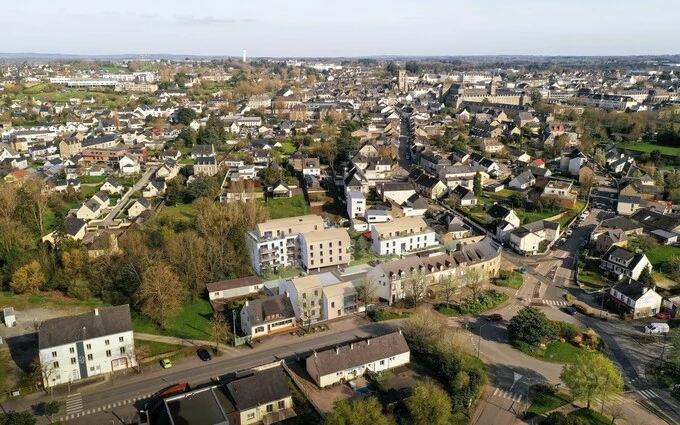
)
(427, 185)
(465, 196)
(262, 317)
(620, 262)
(263, 397)
(348, 362)
(635, 299)
(523, 181)
(534, 237)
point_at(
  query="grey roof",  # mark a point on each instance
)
(631, 288)
(484, 250)
(525, 177)
(80, 327)
(233, 283)
(498, 211)
(261, 388)
(359, 353)
(200, 406)
(72, 225)
(622, 223)
(627, 199)
(205, 160)
(205, 150)
(278, 305)
(652, 220)
(463, 192)
(394, 186)
(620, 253)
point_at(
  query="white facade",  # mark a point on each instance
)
(401, 236)
(356, 204)
(648, 304)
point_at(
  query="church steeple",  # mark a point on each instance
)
(492, 86)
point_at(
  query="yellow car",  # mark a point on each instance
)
(166, 363)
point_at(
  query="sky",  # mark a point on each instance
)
(323, 28)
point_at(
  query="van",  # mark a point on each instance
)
(657, 328)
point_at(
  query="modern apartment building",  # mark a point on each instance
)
(402, 235)
(329, 247)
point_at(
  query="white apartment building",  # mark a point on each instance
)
(305, 295)
(559, 188)
(356, 204)
(85, 345)
(326, 248)
(274, 243)
(402, 235)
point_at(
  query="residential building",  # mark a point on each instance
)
(325, 248)
(356, 204)
(627, 205)
(205, 405)
(613, 237)
(651, 220)
(492, 146)
(138, 207)
(234, 288)
(339, 300)
(266, 316)
(399, 192)
(81, 346)
(534, 237)
(571, 161)
(498, 213)
(205, 166)
(348, 362)
(311, 167)
(636, 300)
(263, 397)
(427, 185)
(620, 262)
(280, 189)
(559, 188)
(523, 181)
(274, 244)
(111, 186)
(402, 235)
(464, 196)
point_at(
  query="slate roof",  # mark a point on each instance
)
(261, 388)
(359, 353)
(652, 220)
(631, 288)
(259, 309)
(73, 224)
(80, 327)
(223, 285)
(498, 211)
(463, 193)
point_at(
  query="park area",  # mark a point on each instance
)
(287, 207)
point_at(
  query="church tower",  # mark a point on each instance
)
(402, 81)
(492, 86)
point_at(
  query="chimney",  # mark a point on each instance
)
(314, 351)
(337, 350)
(96, 312)
(246, 304)
(368, 342)
(351, 346)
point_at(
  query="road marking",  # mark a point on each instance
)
(614, 400)
(647, 393)
(556, 303)
(515, 397)
(74, 403)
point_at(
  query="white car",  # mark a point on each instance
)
(585, 213)
(569, 232)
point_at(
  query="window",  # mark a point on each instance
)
(304, 295)
(339, 243)
(251, 416)
(331, 260)
(320, 246)
(90, 357)
(312, 303)
(54, 354)
(330, 244)
(321, 261)
(341, 258)
(106, 342)
(304, 305)
(282, 404)
(311, 255)
(333, 304)
(88, 346)
(56, 365)
(382, 362)
(73, 360)
(316, 294)
(312, 262)
(71, 350)
(121, 339)
(313, 312)
(270, 408)
(321, 253)
(122, 350)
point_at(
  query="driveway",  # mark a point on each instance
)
(122, 203)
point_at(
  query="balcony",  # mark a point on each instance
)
(264, 250)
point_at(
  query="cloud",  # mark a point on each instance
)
(210, 20)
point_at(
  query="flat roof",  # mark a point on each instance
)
(342, 288)
(325, 235)
(399, 224)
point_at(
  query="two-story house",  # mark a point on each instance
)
(402, 235)
(339, 300)
(81, 346)
(266, 316)
(523, 181)
(620, 262)
(262, 397)
(635, 299)
(532, 238)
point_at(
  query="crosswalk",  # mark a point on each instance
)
(556, 303)
(516, 397)
(74, 403)
(612, 401)
(647, 394)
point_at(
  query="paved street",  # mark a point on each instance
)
(138, 186)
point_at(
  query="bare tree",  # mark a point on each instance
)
(306, 309)
(448, 286)
(415, 286)
(160, 293)
(218, 329)
(42, 369)
(475, 280)
(367, 292)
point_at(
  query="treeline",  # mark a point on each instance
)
(157, 267)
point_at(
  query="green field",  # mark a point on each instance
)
(289, 207)
(92, 179)
(661, 254)
(516, 280)
(556, 351)
(156, 348)
(178, 212)
(288, 148)
(648, 147)
(544, 400)
(192, 322)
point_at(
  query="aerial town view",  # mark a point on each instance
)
(366, 213)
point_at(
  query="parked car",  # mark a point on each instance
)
(494, 317)
(166, 363)
(569, 232)
(664, 315)
(570, 310)
(657, 328)
(203, 354)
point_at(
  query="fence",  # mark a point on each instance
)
(242, 340)
(302, 389)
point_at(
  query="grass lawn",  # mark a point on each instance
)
(545, 400)
(289, 207)
(48, 220)
(289, 148)
(178, 212)
(592, 276)
(4, 363)
(648, 147)
(556, 351)
(88, 191)
(501, 194)
(156, 348)
(590, 417)
(661, 254)
(192, 322)
(516, 280)
(285, 273)
(92, 179)
(530, 217)
(363, 260)
(47, 299)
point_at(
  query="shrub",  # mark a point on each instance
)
(581, 308)
(564, 330)
(488, 300)
(570, 298)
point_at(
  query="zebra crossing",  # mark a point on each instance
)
(515, 397)
(612, 401)
(556, 303)
(74, 403)
(647, 394)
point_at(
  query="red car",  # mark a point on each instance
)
(664, 315)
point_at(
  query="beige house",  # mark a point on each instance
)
(340, 300)
(305, 295)
(326, 248)
(402, 235)
(263, 397)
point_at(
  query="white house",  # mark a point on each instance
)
(90, 210)
(620, 263)
(402, 235)
(528, 238)
(111, 186)
(636, 299)
(128, 165)
(571, 161)
(348, 362)
(81, 346)
(356, 204)
(559, 188)
(399, 192)
(138, 207)
(265, 316)
(523, 181)
(233, 288)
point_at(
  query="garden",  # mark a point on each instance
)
(487, 300)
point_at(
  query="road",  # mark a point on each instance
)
(139, 185)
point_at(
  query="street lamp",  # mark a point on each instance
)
(479, 340)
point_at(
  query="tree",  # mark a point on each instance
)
(362, 411)
(646, 277)
(160, 293)
(392, 69)
(41, 370)
(367, 291)
(475, 280)
(449, 285)
(185, 116)
(270, 175)
(586, 176)
(218, 329)
(530, 325)
(429, 404)
(23, 417)
(186, 252)
(28, 279)
(415, 286)
(591, 377)
(413, 67)
(48, 409)
(517, 200)
(477, 184)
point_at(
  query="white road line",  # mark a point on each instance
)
(496, 391)
(648, 393)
